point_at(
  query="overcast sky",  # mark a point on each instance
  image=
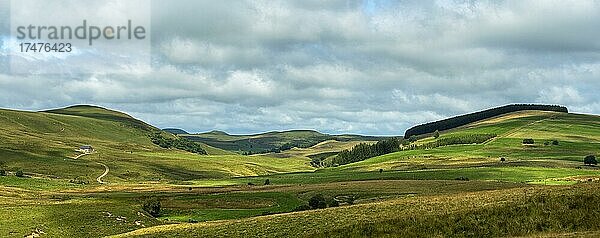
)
(368, 67)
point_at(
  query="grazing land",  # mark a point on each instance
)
(495, 188)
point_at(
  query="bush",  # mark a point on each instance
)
(152, 207)
(590, 160)
(554, 142)
(2, 172)
(331, 202)
(267, 182)
(317, 202)
(528, 141)
(79, 180)
(302, 207)
(20, 174)
(461, 178)
(502, 159)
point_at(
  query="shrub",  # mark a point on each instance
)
(590, 160)
(546, 143)
(528, 141)
(267, 182)
(302, 207)
(152, 207)
(20, 174)
(79, 180)
(554, 142)
(502, 159)
(331, 202)
(317, 202)
(380, 170)
(461, 178)
(2, 172)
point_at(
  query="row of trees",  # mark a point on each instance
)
(462, 120)
(453, 140)
(178, 143)
(364, 151)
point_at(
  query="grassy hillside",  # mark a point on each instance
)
(456, 190)
(577, 135)
(508, 212)
(43, 144)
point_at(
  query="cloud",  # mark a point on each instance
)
(372, 67)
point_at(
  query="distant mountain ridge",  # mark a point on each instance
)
(273, 141)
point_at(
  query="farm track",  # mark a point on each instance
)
(106, 169)
(99, 179)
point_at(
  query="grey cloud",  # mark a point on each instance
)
(372, 66)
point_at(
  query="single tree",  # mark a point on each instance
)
(590, 160)
(528, 141)
(554, 142)
(152, 207)
(502, 159)
(317, 202)
(267, 182)
(436, 134)
(2, 172)
(20, 174)
(380, 170)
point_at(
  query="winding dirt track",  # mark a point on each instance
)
(106, 169)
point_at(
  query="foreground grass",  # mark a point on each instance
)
(114, 209)
(514, 212)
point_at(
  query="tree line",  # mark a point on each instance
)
(178, 143)
(364, 151)
(452, 140)
(462, 120)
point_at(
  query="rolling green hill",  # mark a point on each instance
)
(451, 190)
(577, 136)
(563, 209)
(43, 144)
